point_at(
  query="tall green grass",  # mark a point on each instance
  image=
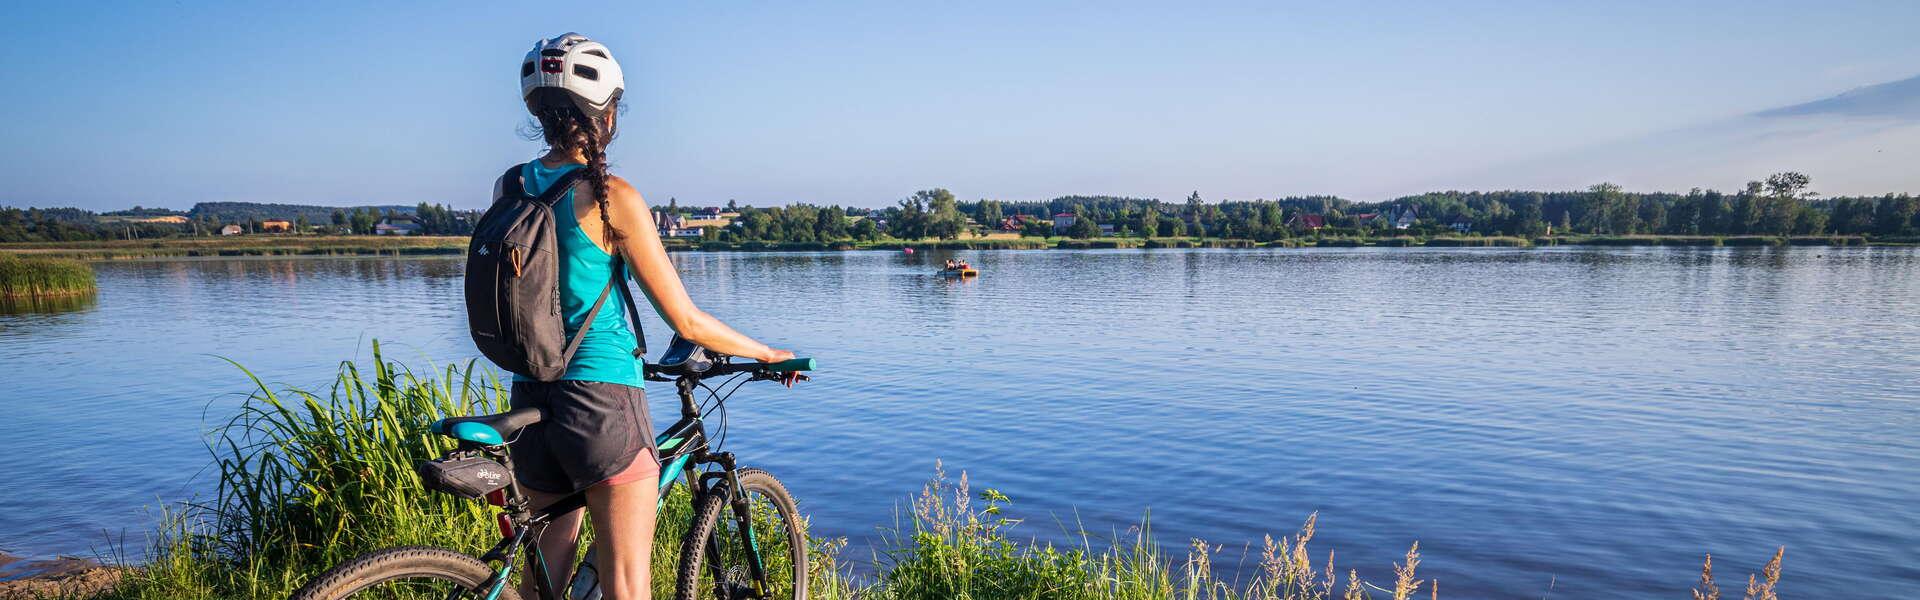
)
(32, 276)
(308, 480)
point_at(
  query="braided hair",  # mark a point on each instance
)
(563, 125)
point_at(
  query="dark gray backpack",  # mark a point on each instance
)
(513, 283)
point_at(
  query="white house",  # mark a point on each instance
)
(1062, 222)
(397, 225)
(1406, 219)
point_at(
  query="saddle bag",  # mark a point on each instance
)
(463, 474)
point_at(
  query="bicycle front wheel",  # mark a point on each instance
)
(405, 573)
(718, 556)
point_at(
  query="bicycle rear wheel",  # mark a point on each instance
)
(715, 554)
(404, 573)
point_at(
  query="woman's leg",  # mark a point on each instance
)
(557, 544)
(623, 512)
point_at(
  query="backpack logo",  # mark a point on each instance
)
(483, 251)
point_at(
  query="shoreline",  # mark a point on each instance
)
(58, 577)
(295, 246)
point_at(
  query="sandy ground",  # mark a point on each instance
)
(63, 577)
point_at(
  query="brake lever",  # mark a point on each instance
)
(787, 378)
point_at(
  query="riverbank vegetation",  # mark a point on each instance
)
(354, 245)
(308, 479)
(27, 277)
(1780, 206)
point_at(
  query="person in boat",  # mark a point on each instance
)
(951, 264)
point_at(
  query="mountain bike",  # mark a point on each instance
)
(726, 553)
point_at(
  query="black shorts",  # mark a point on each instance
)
(591, 432)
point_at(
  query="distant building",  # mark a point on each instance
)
(1366, 219)
(673, 226)
(1462, 225)
(1406, 218)
(1306, 222)
(1106, 229)
(1062, 222)
(276, 226)
(397, 225)
(231, 230)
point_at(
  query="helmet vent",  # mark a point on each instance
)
(526, 68)
(553, 52)
(587, 72)
(598, 53)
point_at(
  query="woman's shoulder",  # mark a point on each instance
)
(619, 191)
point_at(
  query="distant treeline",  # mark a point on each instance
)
(1780, 205)
(207, 218)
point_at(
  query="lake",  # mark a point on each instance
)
(1564, 422)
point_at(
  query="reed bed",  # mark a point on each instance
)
(310, 479)
(40, 277)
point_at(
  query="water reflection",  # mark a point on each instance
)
(28, 305)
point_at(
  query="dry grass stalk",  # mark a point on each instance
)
(1763, 589)
(1707, 589)
(1404, 584)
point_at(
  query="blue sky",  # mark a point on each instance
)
(114, 104)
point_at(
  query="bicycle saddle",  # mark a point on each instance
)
(491, 429)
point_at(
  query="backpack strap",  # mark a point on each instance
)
(633, 313)
(510, 184)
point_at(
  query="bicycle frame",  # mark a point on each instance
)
(682, 444)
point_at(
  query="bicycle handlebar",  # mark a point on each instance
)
(720, 369)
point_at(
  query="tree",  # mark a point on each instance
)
(1173, 228)
(1083, 226)
(943, 219)
(1149, 223)
(1036, 228)
(989, 213)
(909, 219)
(866, 230)
(1895, 214)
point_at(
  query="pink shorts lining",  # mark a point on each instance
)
(643, 467)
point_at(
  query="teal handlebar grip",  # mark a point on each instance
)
(794, 364)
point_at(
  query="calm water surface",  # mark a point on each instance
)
(1585, 422)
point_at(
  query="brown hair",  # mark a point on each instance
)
(563, 125)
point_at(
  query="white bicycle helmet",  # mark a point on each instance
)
(571, 62)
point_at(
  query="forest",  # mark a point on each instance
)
(1779, 205)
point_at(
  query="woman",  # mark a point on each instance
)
(597, 436)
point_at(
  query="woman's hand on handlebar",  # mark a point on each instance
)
(774, 355)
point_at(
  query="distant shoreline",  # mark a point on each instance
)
(361, 245)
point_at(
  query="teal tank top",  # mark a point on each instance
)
(606, 355)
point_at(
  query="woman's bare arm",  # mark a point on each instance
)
(647, 258)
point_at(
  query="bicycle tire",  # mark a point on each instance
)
(707, 520)
(395, 564)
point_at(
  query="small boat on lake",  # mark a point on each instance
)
(958, 273)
